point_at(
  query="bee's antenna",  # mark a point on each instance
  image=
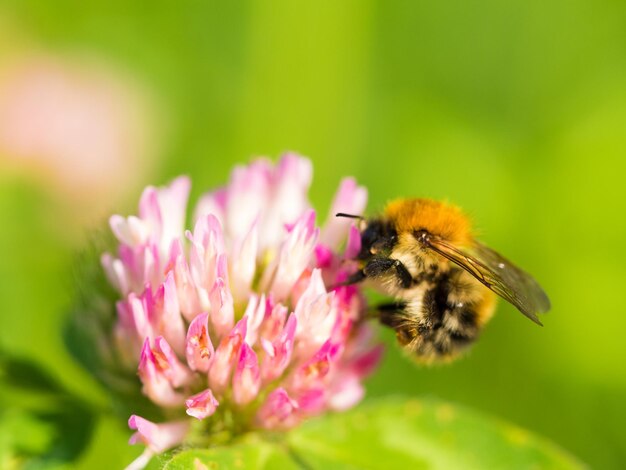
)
(349, 216)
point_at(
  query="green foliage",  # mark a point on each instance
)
(390, 433)
(44, 425)
(255, 453)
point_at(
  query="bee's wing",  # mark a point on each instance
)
(499, 275)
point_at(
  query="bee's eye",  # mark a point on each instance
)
(421, 235)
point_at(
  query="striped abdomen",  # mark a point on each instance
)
(443, 321)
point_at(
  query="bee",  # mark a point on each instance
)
(444, 282)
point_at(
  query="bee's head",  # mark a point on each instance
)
(378, 237)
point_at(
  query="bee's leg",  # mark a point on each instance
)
(373, 268)
(406, 280)
(378, 266)
(354, 278)
(387, 313)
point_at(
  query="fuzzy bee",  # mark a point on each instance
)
(444, 282)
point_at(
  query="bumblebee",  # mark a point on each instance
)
(444, 282)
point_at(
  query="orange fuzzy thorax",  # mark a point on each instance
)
(438, 218)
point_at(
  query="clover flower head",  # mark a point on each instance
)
(245, 315)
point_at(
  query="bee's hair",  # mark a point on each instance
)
(435, 217)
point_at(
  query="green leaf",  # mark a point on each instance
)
(425, 434)
(390, 433)
(253, 453)
(26, 374)
(45, 425)
(73, 423)
(22, 435)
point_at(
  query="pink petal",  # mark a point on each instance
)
(246, 381)
(199, 350)
(130, 231)
(115, 273)
(294, 256)
(278, 354)
(316, 312)
(300, 286)
(364, 365)
(213, 203)
(139, 264)
(226, 357)
(202, 404)
(173, 204)
(157, 437)
(163, 210)
(207, 245)
(279, 411)
(350, 306)
(290, 181)
(295, 170)
(313, 291)
(350, 199)
(169, 365)
(150, 212)
(167, 318)
(148, 259)
(323, 256)
(273, 324)
(353, 246)
(248, 193)
(343, 327)
(312, 373)
(255, 311)
(243, 263)
(185, 287)
(222, 306)
(345, 393)
(312, 401)
(156, 385)
(140, 318)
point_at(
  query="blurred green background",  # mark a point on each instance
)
(515, 111)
